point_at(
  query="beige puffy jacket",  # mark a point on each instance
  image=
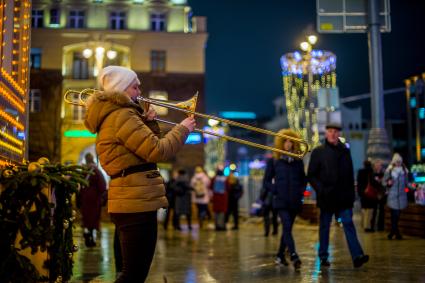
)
(125, 139)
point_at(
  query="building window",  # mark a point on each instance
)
(117, 20)
(158, 61)
(78, 112)
(162, 95)
(76, 19)
(157, 22)
(35, 100)
(37, 18)
(80, 67)
(54, 17)
(35, 58)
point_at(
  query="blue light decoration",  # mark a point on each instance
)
(226, 171)
(421, 113)
(419, 179)
(237, 115)
(413, 102)
(194, 138)
(423, 152)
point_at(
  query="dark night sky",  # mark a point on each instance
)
(247, 39)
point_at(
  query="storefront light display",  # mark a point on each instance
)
(303, 75)
(15, 39)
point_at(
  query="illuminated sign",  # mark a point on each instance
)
(238, 115)
(194, 138)
(79, 134)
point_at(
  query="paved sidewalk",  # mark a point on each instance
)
(247, 256)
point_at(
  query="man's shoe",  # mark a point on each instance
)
(390, 236)
(360, 260)
(398, 237)
(281, 261)
(324, 262)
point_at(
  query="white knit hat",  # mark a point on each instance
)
(116, 78)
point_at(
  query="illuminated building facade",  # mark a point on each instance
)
(73, 40)
(415, 101)
(15, 39)
(305, 77)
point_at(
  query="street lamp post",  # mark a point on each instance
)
(378, 143)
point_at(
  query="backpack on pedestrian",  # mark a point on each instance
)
(219, 185)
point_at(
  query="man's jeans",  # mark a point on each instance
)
(349, 230)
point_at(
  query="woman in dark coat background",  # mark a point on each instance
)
(91, 200)
(286, 178)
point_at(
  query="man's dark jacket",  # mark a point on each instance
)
(331, 175)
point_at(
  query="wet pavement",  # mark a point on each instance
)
(246, 255)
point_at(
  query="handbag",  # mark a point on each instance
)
(371, 192)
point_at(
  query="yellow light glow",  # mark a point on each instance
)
(11, 120)
(10, 147)
(305, 46)
(11, 138)
(312, 39)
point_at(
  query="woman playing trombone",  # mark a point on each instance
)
(128, 146)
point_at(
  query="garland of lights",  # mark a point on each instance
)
(303, 76)
(44, 226)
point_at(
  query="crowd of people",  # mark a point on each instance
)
(379, 187)
(221, 193)
(129, 145)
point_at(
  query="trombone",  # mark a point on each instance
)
(79, 98)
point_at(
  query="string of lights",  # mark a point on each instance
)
(303, 75)
(15, 23)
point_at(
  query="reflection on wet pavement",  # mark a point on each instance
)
(247, 256)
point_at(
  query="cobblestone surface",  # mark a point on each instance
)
(247, 256)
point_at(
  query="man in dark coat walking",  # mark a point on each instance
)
(331, 175)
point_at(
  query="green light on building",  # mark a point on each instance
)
(78, 134)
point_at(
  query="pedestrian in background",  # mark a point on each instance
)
(91, 199)
(128, 144)
(286, 178)
(378, 171)
(368, 193)
(200, 183)
(235, 191)
(266, 197)
(171, 197)
(183, 192)
(331, 175)
(378, 216)
(395, 179)
(218, 187)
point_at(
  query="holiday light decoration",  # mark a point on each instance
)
(303, 74)
(15, 29)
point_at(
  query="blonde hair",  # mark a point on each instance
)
(280, 141)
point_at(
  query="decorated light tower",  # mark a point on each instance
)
(304, 75)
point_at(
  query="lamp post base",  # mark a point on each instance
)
(378, 145)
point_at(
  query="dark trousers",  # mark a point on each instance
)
(381, 214)
(395, 217)
(267, 209)
(117, 252)
(202, 212)
(137, 235)
(233, 209)
(349, 230)
(287, 217)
